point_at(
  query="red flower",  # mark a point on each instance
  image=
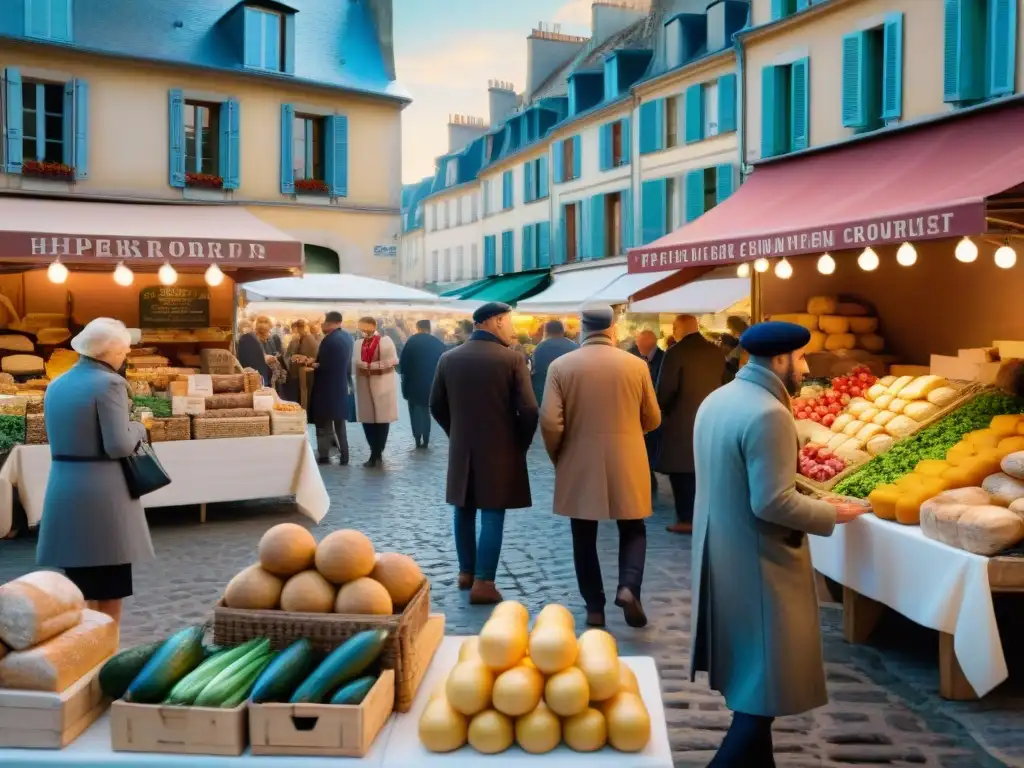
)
(207, 180)
(47, 170)
(311, 185)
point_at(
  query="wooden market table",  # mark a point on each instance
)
(202, 472)
(881, 564)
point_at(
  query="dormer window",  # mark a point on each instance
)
(48, 19)
(269, 37)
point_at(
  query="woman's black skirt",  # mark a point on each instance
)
(103, 582)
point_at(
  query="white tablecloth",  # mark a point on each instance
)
(930, 583)
(201, 471)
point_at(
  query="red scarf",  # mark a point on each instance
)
(369, 348)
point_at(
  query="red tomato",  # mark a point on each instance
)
(855, 391)
(824, 454)
(821, 410)
(845, 399)
(816, 417)
(799, 403)
(829, 420)
(835, 408)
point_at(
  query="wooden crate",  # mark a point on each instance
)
(38, 720)
(427, 643)
(322, 730)
(178, 730)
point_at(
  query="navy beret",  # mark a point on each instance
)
(489, 310)
(774, 338)
(598, 318)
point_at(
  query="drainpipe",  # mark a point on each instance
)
(741, 84)
(634, 168)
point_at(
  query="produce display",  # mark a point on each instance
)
(825, 405)
(12, 432)
(973, 520)
(819, 463)
(343, 573)
(537, 689)
(837, 326)
(159, 406)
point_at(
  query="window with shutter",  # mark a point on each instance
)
(774, 111)
(892, 67)
(625, 140)
(287, 149)
(542, 177)
(14, 133)
(669, 115)
(577, 156)
(80, 155)
(596, 227)
(268, 39)
(605, 147)
(653, 210)
(47, 19)
(202, 142)
(863, 79)
(800, 95)
(506, 190)
(725, 181)
(651, 126)
(626, 219)
(783, 8)
(228, 145)
(558, 157)
(508, 252)
(694, 192)
(336, 159)
(964, 41)
(1002, 47)
(694, 130)
(176, 138)
(727, 97)
(529, 245)
(528, 182)
(544, 244)
(490, 256)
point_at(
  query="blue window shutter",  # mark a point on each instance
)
(694, 113)
(727, 103)
(560, 254)
(855, 73)
(694, 194)
(528, 181)
(577, 156)
(774, 118)
(60, 20)
(653, 209)
(529, 235)
(580, 229)
(490, 266)
(725, 181)
(230, 155)
(289, 43)
(659, 124)
(543, 244)
(559, 158)
(508, 253)
(37, 18)
(14, 136)
(626, 218)
(605, 146)
(803, 5)
(892, 67)
(47, 19)
(542, 173)
(650, 127)
(611, 77)
(627, 141)
(597, 238)
(336, 165)
(963, 41)
(1002, 46)
(252, 37)
(287, 166)
(176, 135)
(68, 132)
(506, 190)
(780, 9)
(799, 100)
(81, 129)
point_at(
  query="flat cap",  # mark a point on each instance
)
(489, 310)
(597, 318)
(774, 338)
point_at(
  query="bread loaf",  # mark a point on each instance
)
(988, 530)
(883, 418)
(1018, 508)
(822, 305)
(900, 426)
(868, 431)
(858, 406)
(882, 402)
(843, 420)
(869, 414)
(36, 607)
(3, 651)
(897, 404)
(237, 400)
(853, 428)
(852, 452)
(61, 661)
(885, 381)
(920, 410)
(879, 444)
(1003, 489)
(836, 441)
(861, 325)
(940, 515)
(920, 387)
(942, 396)
(875, 391)
(899, 385)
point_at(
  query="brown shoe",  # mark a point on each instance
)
(484, 593)
(465, 580)
(632, 610)
(683, 528)
(595, 619)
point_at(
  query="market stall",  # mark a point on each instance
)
(908, 283)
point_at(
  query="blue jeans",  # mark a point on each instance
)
(479, 559)
(419, 416)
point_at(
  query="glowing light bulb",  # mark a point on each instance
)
(743, 270)
(123, 275)
(761, 265)
(826, 264)
(167, 274)
(1006, 257)
(868, 260)
(57, 272)
(214, 276)
(966, 251)
(784, 270)
(906, 256)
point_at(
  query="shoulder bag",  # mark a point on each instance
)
(143, 471)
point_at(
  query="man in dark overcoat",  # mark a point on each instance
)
(693, 368)
(550, 349)
(417, 364)
(483, 400)
(328, 402)
(646, 346)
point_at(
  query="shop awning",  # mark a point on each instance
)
(701, 297)
(343, 289)
(509, 289)
(570, 290)
(465, 291)
(620, 290)
(928, 182)
(89, 234)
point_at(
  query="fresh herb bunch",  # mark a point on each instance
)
(12, 432)
(160, 406)
(933, 442)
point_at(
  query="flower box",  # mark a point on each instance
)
(311, 186)
(204, 180)
(46, 170)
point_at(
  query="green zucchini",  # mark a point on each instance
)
(346, 662)
(353, 693)
(223, 685)
(279, 681)
(121, 669)
(179, 655)
(190, 686)
(245, 680)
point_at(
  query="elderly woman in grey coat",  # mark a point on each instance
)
(91, 527)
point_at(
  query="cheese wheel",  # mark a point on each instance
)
(1013, 465)
(885, 381)
(810, 322)
(851, 309)
(1006, 424)
(1003, 489)
(861, 325)
(871, 342)
(931, 468)
(836, 342)
(883, 501)
(920, 387)
(853, 428)
(879, 444)
(942, 396)
(897, 386)
(988, 530)
(833, 324)
(816, 344)
(822, 305)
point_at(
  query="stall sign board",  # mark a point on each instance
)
(172, 306)
(387, 251)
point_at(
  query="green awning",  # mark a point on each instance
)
(508, 288)
(463, 291)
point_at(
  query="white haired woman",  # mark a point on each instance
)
(91, 527)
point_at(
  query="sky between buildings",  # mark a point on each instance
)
(447, 50)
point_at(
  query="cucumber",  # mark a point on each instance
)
(353, 693)
(120, 670)
(279, 681)
(223, 685)
(346, 662)
(190, 686)
(245, 680)
(179, 655)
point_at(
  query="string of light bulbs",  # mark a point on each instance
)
(56, 272)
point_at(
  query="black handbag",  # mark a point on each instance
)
(143, 472)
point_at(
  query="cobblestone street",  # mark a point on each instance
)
(884, 705)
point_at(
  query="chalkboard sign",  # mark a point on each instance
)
(171, 306)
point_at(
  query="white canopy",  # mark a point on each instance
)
(619, 291)
(570, 290)
(338, 289)
(701, 297)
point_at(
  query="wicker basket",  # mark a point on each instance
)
(326, 631)
(35, 430)
(288, 422)
(33, 405)
(251, 381)
(215, 429)
(229, 400)
(232, 382)
(166, 430)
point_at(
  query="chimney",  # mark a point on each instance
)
(725, 18)
(609, 17)
(463, 129)
(503, 100)
(548, 50)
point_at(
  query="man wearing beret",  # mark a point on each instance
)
(755, 624)
(482, 398)
(598, 403)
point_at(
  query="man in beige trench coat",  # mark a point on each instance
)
(598, 403)
(754, 624)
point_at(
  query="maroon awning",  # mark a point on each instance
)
(915, 184)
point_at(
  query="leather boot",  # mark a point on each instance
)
(632, 610)
(465, 580)
(484, 593)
